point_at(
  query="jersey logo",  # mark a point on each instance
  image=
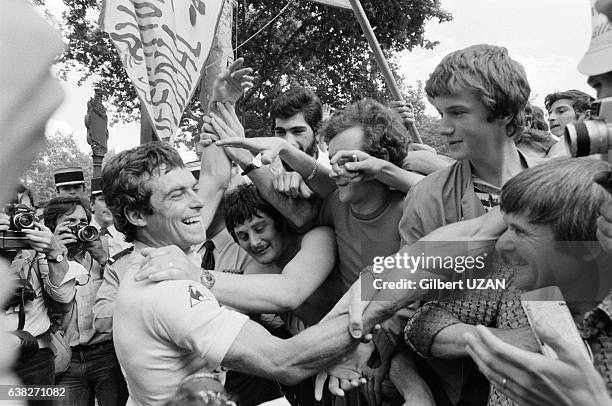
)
(195, 296)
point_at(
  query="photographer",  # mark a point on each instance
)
(93, 370)
(26, 315)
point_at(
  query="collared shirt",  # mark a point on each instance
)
(178, 328)
(116, 240)
(229, 257)
(78, 323)
(36, 317)
(444, 197)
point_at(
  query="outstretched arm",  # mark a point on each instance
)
(298, 211)
(257, 293)
(263, 293)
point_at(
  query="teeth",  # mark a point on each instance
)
(192, 220)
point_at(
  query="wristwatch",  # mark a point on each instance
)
(59, 258)
(255, 164)
(207, 279)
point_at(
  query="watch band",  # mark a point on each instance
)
(255, 164)
(248, 169)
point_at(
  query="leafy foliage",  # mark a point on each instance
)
(309, 44)
(60, 150)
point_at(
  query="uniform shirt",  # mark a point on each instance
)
(116, 240)
(178, 328)
(78, 323)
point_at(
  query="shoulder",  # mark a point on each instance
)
(434, 184)
(318, 234)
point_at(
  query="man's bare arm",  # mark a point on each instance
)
(255, 351)
(286, 291)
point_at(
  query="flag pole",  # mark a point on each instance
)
(382, 62)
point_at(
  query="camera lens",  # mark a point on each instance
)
(24, 220)
(588, 137)
(88, 233)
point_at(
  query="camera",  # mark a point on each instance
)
(84, 233)
(21, 218)
(592, 136)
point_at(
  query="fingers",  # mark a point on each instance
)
(564, 350)
(481, 357)
(235, 142)
(305, 191)
(341, 157)
(334, 386)
(356, 308)
(319, 383)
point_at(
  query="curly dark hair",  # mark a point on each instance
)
(581, 101)
(60, 206)
(125, 180)
(298, 100)
(244, 203)
(385, 136)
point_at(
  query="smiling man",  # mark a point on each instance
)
(296, 117)
(551, 213)
(165, 331)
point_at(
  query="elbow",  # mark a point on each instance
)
(289, 300)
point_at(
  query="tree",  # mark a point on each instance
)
(307, 44)
(60, 150)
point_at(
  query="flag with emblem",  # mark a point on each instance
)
(163, 46)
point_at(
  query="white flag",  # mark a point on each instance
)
(163, 46)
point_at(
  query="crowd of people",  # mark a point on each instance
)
(274, 264)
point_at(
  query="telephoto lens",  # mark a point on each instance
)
(85, 233)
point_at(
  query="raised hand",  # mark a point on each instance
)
(230, 84)
(533, 379)
(404, 110)
(268, 147)
(42, 240)
(356, 165)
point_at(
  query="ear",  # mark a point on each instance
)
(586, 114)
(135, 217)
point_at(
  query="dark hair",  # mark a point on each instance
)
(60, 206)
(294, 101)
(385, 136)
(125, 180)
(487, 71)
(561, 193)
(244, 203)
(581, 101)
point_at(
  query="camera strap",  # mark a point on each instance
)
(21, 323)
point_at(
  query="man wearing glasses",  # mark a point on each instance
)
(94, 370)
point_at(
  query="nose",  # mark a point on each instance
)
(254, 239)
(292, 140)
(505, 243)
(446, 128)
(196, 202)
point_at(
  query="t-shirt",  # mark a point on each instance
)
(361, 238)
(166, 331)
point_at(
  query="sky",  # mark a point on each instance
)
(548, 37)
